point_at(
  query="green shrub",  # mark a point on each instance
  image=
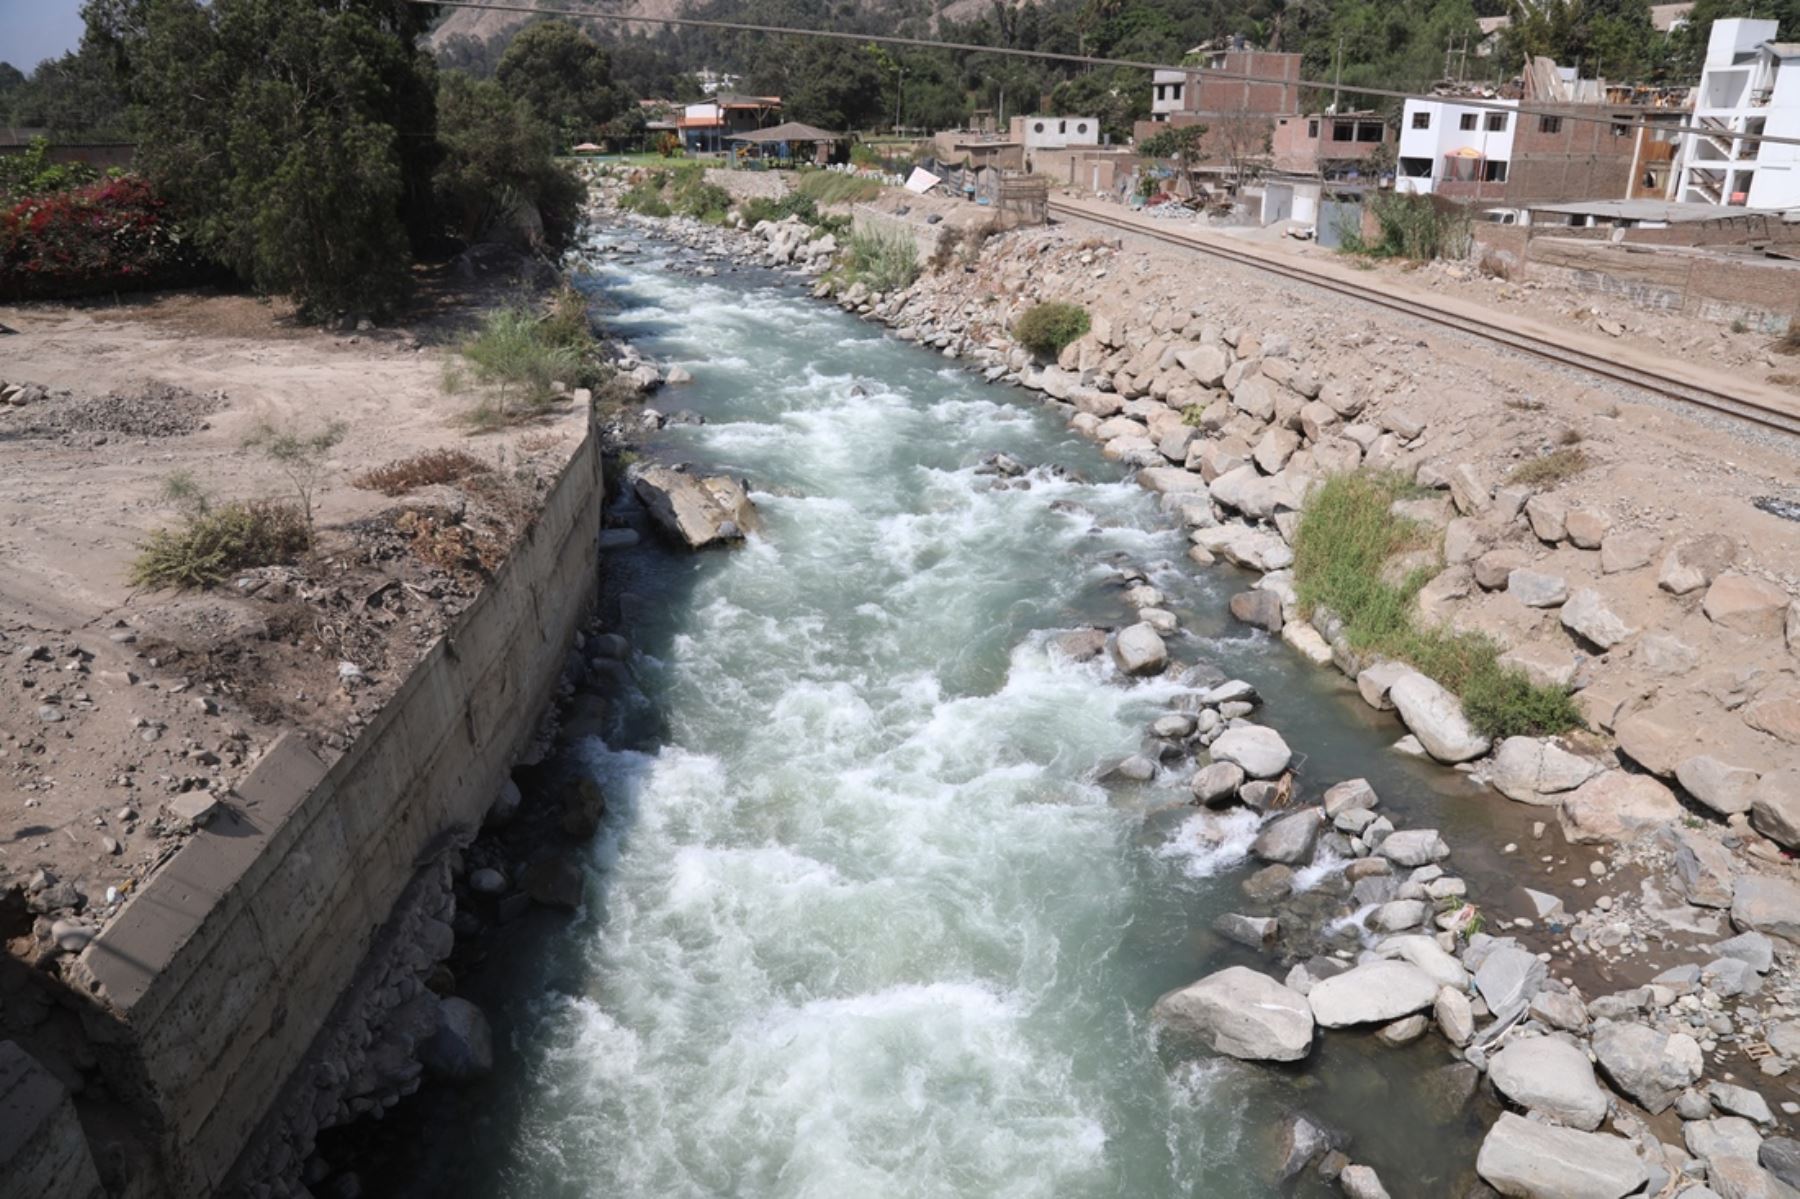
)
(1347, 533)
(211, 544)
(1046, 328)
(1419, 228)
(883, 260)
(515, 355)
(645, 199)
(793, 204)
(837, 187)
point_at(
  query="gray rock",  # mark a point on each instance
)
(1536, 770)
(1259, 750)
(1767, 905)
(1539, 1161)
(1372, 993)
(1139, 650)
(1703, 872)
(1751, 947)
(461, 1046)
(1361, 1182)
(699, 511)
(1559, 1009)
(1399, 915)
(1780, 1156)
(1722, 1138)
(1435, 716)
(1080, 644)
(1425, 953)
(1242, 1014)
(1535, 589)
(1775, 807)
(1741, 1101)
(1455, 1016)
(1261, 608)
(1724, 788)
(1217, 783)
(1587, 615)
(1649, 1065)
(1507, 979)
(1349, 795)
(1549, 1075)
(1414, 847)
(1692, 564)
(487, 881)
(1255, 931)
(1290, 839)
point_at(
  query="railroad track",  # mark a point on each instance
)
(1766, 414)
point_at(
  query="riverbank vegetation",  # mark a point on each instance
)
(1348, 539)
(680, 190)
(836, 187)
(1046, 328)
(880, 259)
(526, 360)
(212, 543)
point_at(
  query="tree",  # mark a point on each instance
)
(1118, 96)
(497, 156)
(295, 137)
(76, 94)
(1180, 143)
(563, 76)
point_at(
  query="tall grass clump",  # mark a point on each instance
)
(515, 356)
(836, 187)
(884, 260)
(1417, 228)
(1347, 534)
(1046, 328)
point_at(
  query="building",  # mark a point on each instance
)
(1328, 145)
(1055, 133)
(1457, 145)
(1236, 92)
(708, 127)
(1667, 18)
(1587, 139)
(1749, 84)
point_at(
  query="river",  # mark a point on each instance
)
(861, 922)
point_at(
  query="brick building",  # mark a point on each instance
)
(1236, 92)
(1592, 145)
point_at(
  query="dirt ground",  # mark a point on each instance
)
(123, 711)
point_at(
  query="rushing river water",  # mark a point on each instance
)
(861, 922)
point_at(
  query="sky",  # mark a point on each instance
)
(33, 30)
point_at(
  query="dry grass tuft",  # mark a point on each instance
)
(421, 470)
(1553, 467)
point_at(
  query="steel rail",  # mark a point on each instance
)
(1641, 378)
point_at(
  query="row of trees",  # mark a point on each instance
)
(313, 148)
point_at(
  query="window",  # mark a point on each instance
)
(1342, 131)
(1038, 127)
(1549, 124)
(1081, 127)
(1312, 130)
(1493, 172)
(1421, 120)
(1368, 131)
(1416, 168)
(1621, 129)
(1468, 121)
(1175, 91)
(1160, 89)
(1062, 126)
(1496, 122)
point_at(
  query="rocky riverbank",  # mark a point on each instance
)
(1657, 978)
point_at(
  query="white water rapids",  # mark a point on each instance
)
(859, 922)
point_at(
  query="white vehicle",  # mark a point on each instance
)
(1506, 216)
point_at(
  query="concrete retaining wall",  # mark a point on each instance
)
(215, 979)
(43, 1153)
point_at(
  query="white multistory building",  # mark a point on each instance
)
(1456, 146)
(1750, 84)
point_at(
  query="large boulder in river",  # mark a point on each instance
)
(1436, 718)
(1651, 1066)
(1528, 1160)
(1259, 750)
(699, 511)
(1372, 993)
(461, 1046)
(1241, 1013)
(1139, 649)
(1552, 1076)
(1617, 806)
(1537, 771)
(1290, 839)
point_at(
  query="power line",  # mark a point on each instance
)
(1090, 60)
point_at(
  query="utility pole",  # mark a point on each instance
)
(1337, 79)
